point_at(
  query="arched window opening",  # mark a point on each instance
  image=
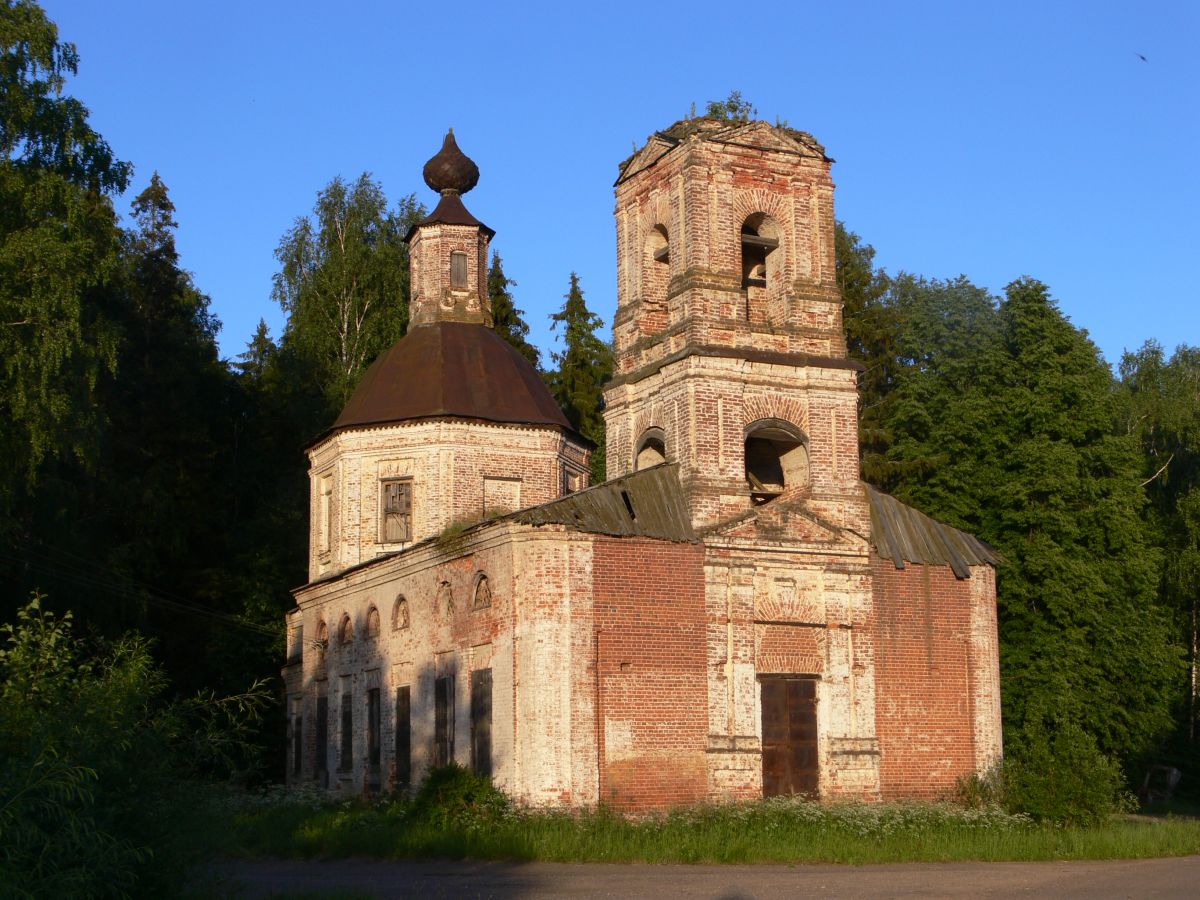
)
(400, 614)
(776, 456)
(483, 592)
(651, 449)
(346, 630)
(372, 623)
(444, 602)
(321, 644)
(657, 264)
(760, 256)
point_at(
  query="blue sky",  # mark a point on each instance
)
(991, 140)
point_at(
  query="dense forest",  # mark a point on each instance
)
(153, 489)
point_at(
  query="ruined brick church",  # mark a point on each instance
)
(732, 614)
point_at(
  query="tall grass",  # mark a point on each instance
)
(778, 830)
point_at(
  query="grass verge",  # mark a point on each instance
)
(779, 831)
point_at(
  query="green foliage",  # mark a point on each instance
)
(735, 108)
(344, 283)
(778, 830)
(1001, 418)
(98, 795)
(1056, 773)
(1160, 409)
(584, 367)
(454, 797)
(506, 318)
(41, 130)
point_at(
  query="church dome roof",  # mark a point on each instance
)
(450, 169)
(451, 370)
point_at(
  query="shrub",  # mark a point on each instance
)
(1053, 773)
(454, 797)
(99, 787)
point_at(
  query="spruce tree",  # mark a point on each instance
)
(584, 366)
(506, 318)
(1005, 424)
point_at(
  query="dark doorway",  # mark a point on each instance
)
(789, 735)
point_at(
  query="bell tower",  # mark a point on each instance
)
(730, 351)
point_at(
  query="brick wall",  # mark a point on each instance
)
(927, 678)
(649, 612)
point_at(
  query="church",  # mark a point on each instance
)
(733, 614)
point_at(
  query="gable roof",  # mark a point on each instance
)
(905, 535)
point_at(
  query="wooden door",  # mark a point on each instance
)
(789, 735)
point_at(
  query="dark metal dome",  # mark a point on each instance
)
(451, 370)
(451, 169)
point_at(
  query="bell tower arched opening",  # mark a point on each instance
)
(651, 449)
(760, 265)
(776, 457)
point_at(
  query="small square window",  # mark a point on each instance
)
(395, 511)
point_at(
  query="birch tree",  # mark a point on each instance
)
(344, 282)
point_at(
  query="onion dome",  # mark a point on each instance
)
(451, 169)
(451, 370)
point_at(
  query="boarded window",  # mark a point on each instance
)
(443, 720)
(325, 513)
(458, 270)
(481, 722)
(322, 735)
(346, 630)
(297, 743)
(372, 623)
(403, 737)
(346, 757)
(373, 728)
(395, 511)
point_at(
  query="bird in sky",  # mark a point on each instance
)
(1139, 56)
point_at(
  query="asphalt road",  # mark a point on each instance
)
(1149, 878)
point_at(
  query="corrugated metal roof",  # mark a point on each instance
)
(904, 535)
(645, 504)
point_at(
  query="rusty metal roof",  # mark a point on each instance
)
(450, 211)
(451, 370)
(648, 503)
(904, 535)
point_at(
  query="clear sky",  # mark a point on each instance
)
(991, 140)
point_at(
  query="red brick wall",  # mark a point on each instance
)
(649, 613)
(923, 704)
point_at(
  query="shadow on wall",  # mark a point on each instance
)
(369, 719)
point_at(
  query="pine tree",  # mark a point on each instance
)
(584, 366)
(506, 318)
